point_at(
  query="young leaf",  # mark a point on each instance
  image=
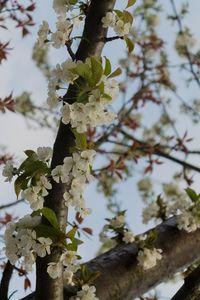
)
(129, 44)
(73, 2)
(84, 71)
(50, 215)
(119, 13)
(81, 140)
(29, 153)
(108, 68)
(43, 230)
(71, 234)
(192, 194)
(97, 69)
(117, 72)
(127, 17)
(130, 3)
(21, 183)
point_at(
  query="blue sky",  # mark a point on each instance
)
(18, 74)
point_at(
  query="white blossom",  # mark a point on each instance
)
(87, 293)
(147, 258)
(62, 35)
(66, 113)
(54, 269)
(43, 32)
(118, 221)
(44, 246)
(128, 237)
(68, 277)
(187, 221)
(111, 87)
(42, 186)
(8, 171)
(109, 20)
(44, 153)
(59, 174)
(122, 28)
(61, 6)
(149, 212)
(68, 258)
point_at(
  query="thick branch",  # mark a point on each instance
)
(5, 280)
(91, 44)
(190, 290)
(122, 279)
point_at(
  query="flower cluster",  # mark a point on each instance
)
(118, 226)
(21, 242)
(64, 25)
(91, 114)
(76, 172)
(35, 193)
(90, 110)
(62, 35)
(147, 258)
(66, 267)
(87, 293)
(120, 26)
(184, 42)
(8, 171)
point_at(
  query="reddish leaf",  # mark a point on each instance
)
(27, 283)
(31, 7)
(7, 103)
(88, 230)
(79, 219)
(3, 51)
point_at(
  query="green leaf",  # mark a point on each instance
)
(130, 3)
(101, 87)
(50, 215)
(192, 194)
(108, 68)
(72, 247)
(130, 45)
(151, 238)
(97, 69)
(29, 153)
(84, 71)
(127, 17)
(34, 167)
(21, 183)
(71, 234)
(43, 230)
(117, 72)
(81, 139)
(107, 96)
(119, 13)
(73, 2)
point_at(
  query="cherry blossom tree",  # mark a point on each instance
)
(140, 131)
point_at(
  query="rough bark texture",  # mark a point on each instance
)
(5, 280)
(190, 290)
(122, 279)
(91, 44)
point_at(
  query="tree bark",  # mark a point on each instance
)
(5, 280)
(91, 44)
(122, 279)
(190, 290)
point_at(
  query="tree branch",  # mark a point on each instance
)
(11, 204)
(190, 290)
(122, 279)
(5, 280)
(91, 44)
(155, 150)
